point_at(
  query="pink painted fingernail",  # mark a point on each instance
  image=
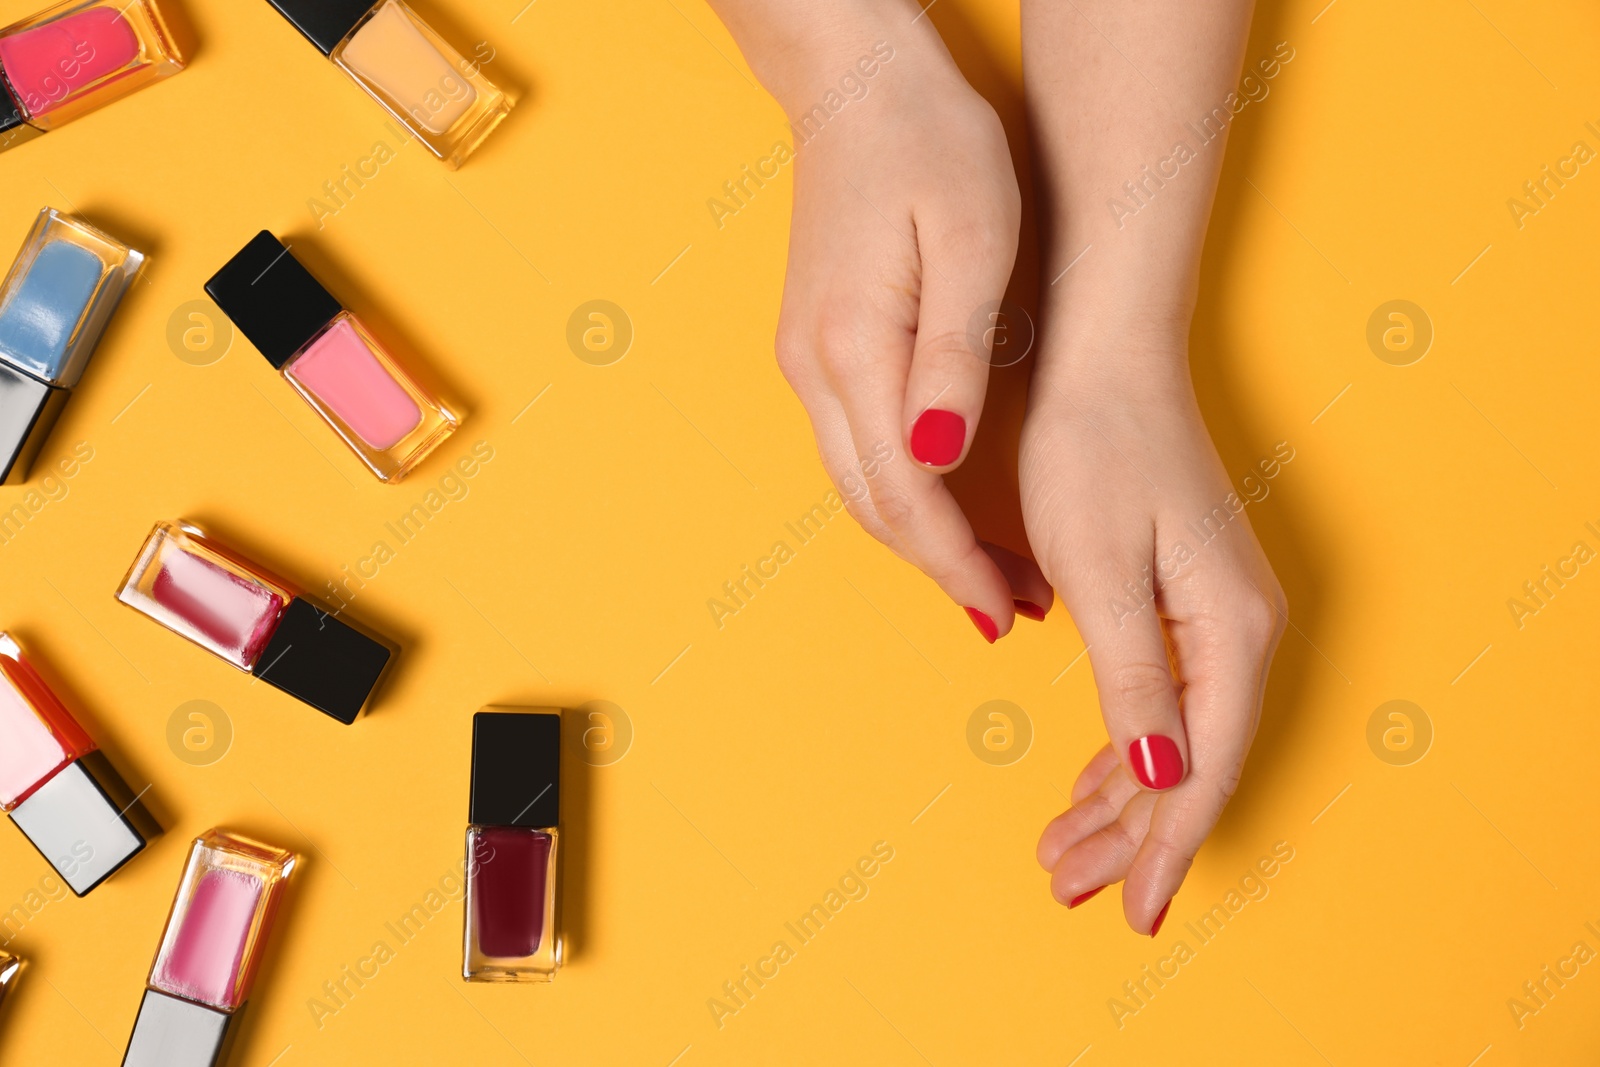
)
(937, 437)
(985, 625)
(1155, 927)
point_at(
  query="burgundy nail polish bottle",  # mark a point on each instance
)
(512, 931)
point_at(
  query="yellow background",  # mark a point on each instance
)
(828, 714)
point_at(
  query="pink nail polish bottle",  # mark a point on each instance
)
(215, 937)
(330, 358)
(74, 57)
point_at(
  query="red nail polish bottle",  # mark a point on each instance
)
(71, 58)
(512, 919)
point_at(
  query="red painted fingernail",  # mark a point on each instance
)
(1081, 897)
(937, 437)
(1030, 610)
(985, 625)
(1155, 927)
(1155, 760)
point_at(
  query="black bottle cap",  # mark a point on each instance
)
(322, 661)
(324, 22)
(28, 410)
(10, 112)
(14, 125)
(516, 769)
(273, 300)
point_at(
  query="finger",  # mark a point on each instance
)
(966, 264)
(1128, 653)
(1105, 856)
(847, 471)
(1094, 772)
(1031, 594)
(1092, 813)
(1226, 679)
(922, 519)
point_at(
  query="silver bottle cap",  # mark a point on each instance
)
(171, 1032)
(85, 822)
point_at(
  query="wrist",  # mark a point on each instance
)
(1120, 353)
(803, 51)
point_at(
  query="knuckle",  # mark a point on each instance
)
(794, 355)
(1180, 852)
(946, 347)
(895, 508)
(1095, 811)
(945, 563)
(1139, 682)
(1120, 840)
(984, 238)
(1261, 618)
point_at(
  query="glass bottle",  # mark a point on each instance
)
(330, 358)
(512, 916)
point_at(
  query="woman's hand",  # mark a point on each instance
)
(1135, 523)
(905, 226)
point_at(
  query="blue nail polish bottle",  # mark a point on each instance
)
(54, 305)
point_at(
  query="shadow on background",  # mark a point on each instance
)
(1243, 437)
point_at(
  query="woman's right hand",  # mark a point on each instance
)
(906, 213)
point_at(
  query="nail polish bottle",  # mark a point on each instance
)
(330, 358)
(512, 921)
(9, 966)
(77, 56)
(254, 620)
(54, 304)
(215, 937)
(408, 68)
(59, 789)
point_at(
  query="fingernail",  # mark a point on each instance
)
(1081, 897)
(985, 625)
(1031, 610)
(1155, 760)
(1155, 927)
(937, 437)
